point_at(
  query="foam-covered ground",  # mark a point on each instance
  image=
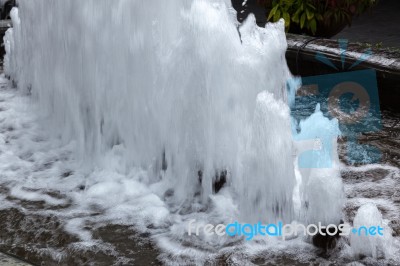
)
(53, 211)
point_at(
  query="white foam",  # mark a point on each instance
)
(376, 246)
(120, 82)
(183, 79)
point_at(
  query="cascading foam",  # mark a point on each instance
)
(184, 89)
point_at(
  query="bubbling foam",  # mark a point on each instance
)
(180, 85)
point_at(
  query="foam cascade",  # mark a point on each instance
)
(182, 88)
(377, 245)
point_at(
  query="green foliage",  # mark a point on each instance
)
(309, 14)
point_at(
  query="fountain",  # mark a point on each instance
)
(364, 244)
(182, 92)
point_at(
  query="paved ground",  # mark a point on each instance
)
(380, 25)
(10, 261)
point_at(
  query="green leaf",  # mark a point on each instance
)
(275, 8)
(313, 26)
(286, 17)
(295, 18)
(270, 15)
(272, 12)
(297, 13)
(310, 14)
(319, 17)
(277, 15)
(310, 5)
(302, 20)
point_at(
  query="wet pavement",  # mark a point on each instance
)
(6, 260)
(380, 26)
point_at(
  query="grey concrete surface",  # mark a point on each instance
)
(6, 260)
(380, 25)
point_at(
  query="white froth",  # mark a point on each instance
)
(112, 95)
